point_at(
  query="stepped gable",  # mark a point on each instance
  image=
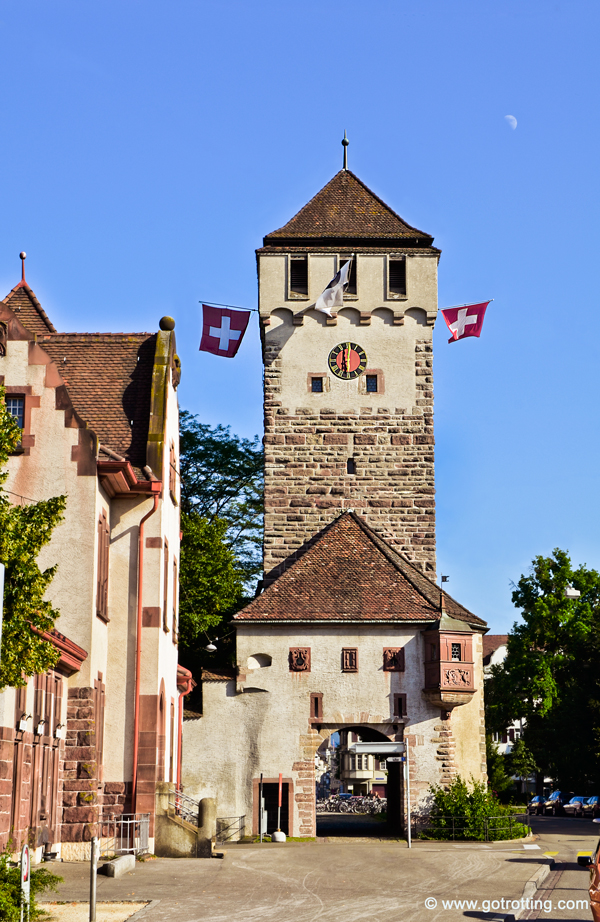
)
(28, 310)
(346, 211)
(347, 573)
(109, 380)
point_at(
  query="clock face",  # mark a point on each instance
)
(347, 361)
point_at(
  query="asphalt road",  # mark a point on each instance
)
(355, 880)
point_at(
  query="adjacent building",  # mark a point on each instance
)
(99, 420)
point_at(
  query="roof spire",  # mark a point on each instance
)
(345, 143)
(23, 257)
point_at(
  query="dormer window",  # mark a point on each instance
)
(299, 276)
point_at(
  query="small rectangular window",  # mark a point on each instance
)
(456, 654)
(317, 385)
(103, 536)
(371, 384)
(399, 705)
(351, 288)
(166, 589)
(316, 706)
(349, 659)
(175, 582)
(397, 276)
(16, 408)
(299, 275)
(351, 466)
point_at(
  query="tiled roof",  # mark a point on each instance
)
(109, 380)
(348, 573)
(218, 674)
(28, 309)
(491, 642)
(346, 208)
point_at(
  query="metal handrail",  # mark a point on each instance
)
(230, 828)
(475, 828)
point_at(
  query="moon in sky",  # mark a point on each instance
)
(511, 121)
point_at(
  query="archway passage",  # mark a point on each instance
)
(358, 794)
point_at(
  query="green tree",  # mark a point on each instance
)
(211, 586)
(550, 676)
(521, 762)
(498, 780)
(24, 531)
(222, 478)
(463, 811)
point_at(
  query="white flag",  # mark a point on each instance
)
(333, 296)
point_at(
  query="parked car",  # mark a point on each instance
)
(535, 804)
(591, 807)
(575, 806)
(555, 803)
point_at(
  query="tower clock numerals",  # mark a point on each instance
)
(347, 361)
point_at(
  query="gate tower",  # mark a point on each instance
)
(348, 400)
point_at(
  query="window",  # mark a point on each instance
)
(103, 560)
(371, 384)
(351, 466)
(173, 474)
(349, 659)
(351, 288)
(16, 408)
(317, 385)
(397, 276)
(316, 706)
(299, 275)
(352, 761)
(456, 653)
(174, 600)
(399, 705)
(166, 589)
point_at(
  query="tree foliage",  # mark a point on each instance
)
(463, 811)
(499, 781)
(24, 531)
(211, 586)
(222, 478)
(10, 889)
(550, 676)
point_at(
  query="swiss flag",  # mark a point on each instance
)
(466, 320)
(222, 330)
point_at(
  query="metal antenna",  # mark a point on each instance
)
(345, 143)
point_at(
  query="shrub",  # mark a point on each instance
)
(463, 812)
(10, 888)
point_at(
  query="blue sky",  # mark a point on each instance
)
(148, 147)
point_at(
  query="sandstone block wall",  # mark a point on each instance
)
(306, 456)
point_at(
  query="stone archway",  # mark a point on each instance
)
(356, 778)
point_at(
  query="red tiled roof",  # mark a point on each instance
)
(28, 309)
(218, 674)
(109, 380)
(346, 208)
(491, 642)
(348, 573)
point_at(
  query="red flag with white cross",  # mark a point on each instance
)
(222, 330)
(466, 320)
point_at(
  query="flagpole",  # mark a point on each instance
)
(467, 304)
(233, 307)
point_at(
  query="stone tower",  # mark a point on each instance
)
(348, 399)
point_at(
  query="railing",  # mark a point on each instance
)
(185, 807)
(128, 834)
(230, 828)
(484, 829)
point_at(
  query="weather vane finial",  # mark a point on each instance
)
(345, 143)
(23, 256)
